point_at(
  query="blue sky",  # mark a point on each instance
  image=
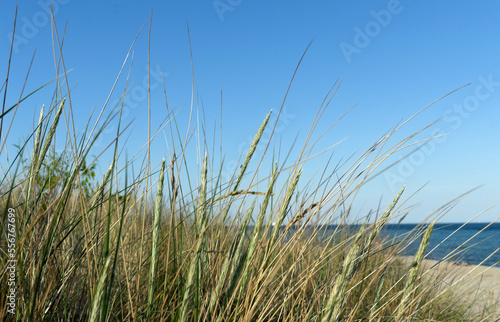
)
(395, 57)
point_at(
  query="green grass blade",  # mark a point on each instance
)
(413, 275)
(156, 230)
(248, 157)
(195, 260)
(99, 294)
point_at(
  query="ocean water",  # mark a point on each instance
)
(471, 244)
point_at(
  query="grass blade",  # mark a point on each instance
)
(156, 229)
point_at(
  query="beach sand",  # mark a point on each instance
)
(471, 282)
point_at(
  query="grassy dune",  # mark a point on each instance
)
(152, 246)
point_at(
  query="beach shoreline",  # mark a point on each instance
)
(477, 283)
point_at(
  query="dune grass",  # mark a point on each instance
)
(119, 251)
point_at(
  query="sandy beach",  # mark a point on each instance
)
(470, 281)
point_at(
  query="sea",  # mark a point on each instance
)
(470, 243)
(461, 243)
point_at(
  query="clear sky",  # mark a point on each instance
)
(394, 57)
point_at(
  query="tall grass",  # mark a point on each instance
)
(191, 253)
